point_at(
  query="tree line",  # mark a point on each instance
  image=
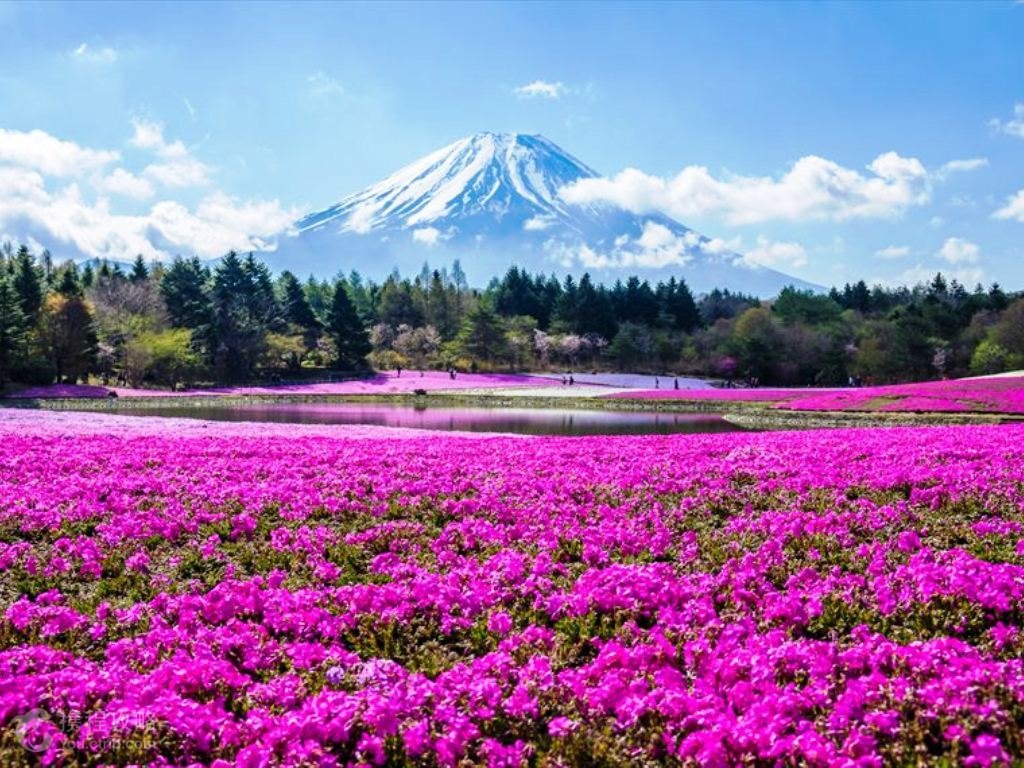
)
(188, 321)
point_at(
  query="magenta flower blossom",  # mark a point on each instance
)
(268, 595)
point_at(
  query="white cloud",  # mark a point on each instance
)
(430, 236)
(718, 245)
(956, 250)
(184, 172)
(1012, 127)
(147, 134)
(122, 182)
(322, 85)
(49, 155)
(813, 188)
(90, 55)
(540, 89)
(38, 202)
(922, 274)
(177, 166)
(361, 219)
(961, 166)
(893, 252)
(538, 223)
(775, 254)
(1014, 208)
(657, 246)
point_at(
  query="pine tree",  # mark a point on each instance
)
(483, 334)
(139, 273)
(261, 300)
(347, 331)
(184, 288)
(28, 284)
(294, 304)
(13, 328)
(67, 281)
(88, 276)
(238, 334)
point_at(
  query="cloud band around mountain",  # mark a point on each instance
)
(813, 188)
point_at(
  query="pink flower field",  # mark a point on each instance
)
(994, 395)
(381, 384)
(716, 395)
(259, 595)
(985, 395)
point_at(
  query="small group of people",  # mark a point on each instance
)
(398, 372)
(752, 382)
(568, 379)
(675, 382)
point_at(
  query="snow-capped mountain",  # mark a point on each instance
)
(492, 200)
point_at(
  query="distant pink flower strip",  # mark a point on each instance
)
(381, 384)
(995, 395)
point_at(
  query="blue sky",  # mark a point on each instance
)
(195, 126)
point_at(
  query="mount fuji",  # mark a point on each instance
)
(492, 200)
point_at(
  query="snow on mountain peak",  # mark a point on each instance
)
(492, 200)
(486, 173)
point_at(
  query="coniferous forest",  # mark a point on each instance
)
(187, 321)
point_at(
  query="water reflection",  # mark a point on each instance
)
(527, 421)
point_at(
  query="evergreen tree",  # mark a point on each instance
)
(13, 328)
(139, 273)
(459, 277)
(294, 304)
(483, 334)
(28, 284)
(67, 281)
(66, 332)
(440, 309)
(318, 295)
(566, 315)
(395, 305)
(238, 333)
(594, 313)
(677, 304)
(347, 331)
(262, 301)
(184, 289)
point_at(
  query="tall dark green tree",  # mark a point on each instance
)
(67, 281)
(28, 283)
(676, 302)
(238, 333)
(482, 336)
(294, 304)
(262, 300)
(13, 329)
(594, 312)
(185, 291)
(347, 331)
(396, 306)
(139, 273)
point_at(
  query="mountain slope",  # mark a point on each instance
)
(492, 200)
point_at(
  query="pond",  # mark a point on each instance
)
(526, 421)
